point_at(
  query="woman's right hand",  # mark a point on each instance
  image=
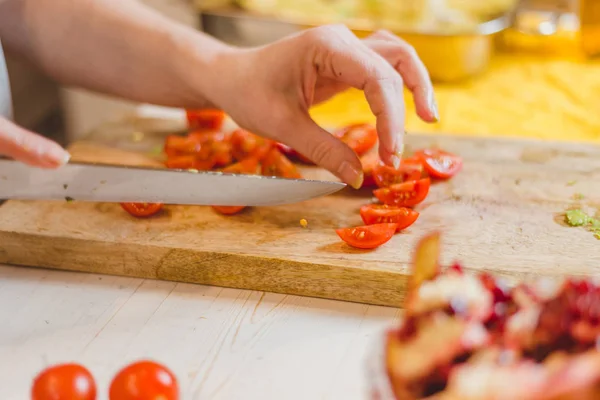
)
(30, 148)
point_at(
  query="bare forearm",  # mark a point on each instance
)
(117, 47)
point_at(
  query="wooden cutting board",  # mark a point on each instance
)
(503, 213)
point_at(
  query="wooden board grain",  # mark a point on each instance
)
(503, 213)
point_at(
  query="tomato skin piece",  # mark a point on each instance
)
(359, 137)
(228, 210)
(276, 164)
(205, 119)
(142, 210)
(189, 162)
(406, 194)
(64, 382)
(377, 214)
(440, 164)
(385, 175)
(368, 236)
(144, 380)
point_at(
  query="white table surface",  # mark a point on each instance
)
(221, 343)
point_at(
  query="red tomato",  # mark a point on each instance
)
(245, 144)
(369, 162)
(206, 119)
(359, 137)
(194, 143)
(377, 214)
(64, 382)
(247, 166)
(228, 210)
(367, 237)
(406, 194)
(142, 210)
(276, 164)
(144, 380)
(385, 176)
(440, 164)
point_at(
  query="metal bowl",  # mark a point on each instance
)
(448, 57)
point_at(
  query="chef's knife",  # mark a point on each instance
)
(108, 183)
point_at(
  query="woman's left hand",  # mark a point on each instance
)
(269, 90)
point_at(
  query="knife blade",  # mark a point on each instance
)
(109, 183)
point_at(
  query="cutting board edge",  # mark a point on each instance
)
(204, 267)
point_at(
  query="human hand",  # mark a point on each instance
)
(30, 148)
(269, 90)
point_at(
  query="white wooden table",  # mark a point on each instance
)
(221, 343)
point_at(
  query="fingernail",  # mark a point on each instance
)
(433, 106)
(58, 156)
(395, 161)
(399, 148)
(351, 175)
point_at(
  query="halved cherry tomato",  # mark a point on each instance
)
(247, 166)
(64, 381)
(245, 144)
(369, 162)
(228, 210)
(440, 164)
(276, 164)
(378, 214)
(189, 162)
(289, 152)
(144, 380)
(359, 137)
(406, 194)
(142, 210)
(179, 145)
(367, 237)
(205, 119)
(385, 175)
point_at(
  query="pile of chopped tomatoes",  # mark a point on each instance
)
(139, 380)
(207, 147)
(398, 190)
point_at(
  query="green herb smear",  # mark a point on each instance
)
(579, 218)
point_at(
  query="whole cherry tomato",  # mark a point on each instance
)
(64, 382)
(144, 380)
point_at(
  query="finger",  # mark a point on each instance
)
(341, 56)
(30, 148)
(324, 149)
(403, 57)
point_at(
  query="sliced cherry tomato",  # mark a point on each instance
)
(194, 143)
(142, 210)
(406, 194)
(206, 119)
(369, 162)
(247, 166)
(189, 162)
(440, 164)
(378, 214)
(359, 137)
(276, 164)
(245, 144)
(144, 380)
(367, 237)
(228, 210)
(385, 175)
(64, 381)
